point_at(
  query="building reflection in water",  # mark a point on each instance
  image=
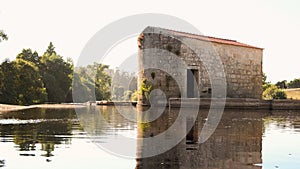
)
(236, 143)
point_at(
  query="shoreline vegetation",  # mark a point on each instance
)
(32, 79)
(9, 107)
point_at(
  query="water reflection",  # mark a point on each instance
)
(236, 143)
(47, 127)
(243, 139)
(281, 135)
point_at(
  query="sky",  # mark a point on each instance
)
(270, 24)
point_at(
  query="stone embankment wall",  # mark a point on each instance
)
(235, 103)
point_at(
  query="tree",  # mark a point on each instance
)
(30, 56)
(30, 86)
(81, 89)
(8, 81)
(282, 84)
(21, 82)
(3, 36)
(56, 75)
(264, 79)
(273, 92)
(294, 83)
(102, 82)
(265, 84)
(123, 84)
(90, 81)
(118, 93)
(50, 50)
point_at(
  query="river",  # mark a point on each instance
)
(65, 138)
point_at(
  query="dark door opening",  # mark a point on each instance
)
(192, 82)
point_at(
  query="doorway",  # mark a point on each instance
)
(192, 83)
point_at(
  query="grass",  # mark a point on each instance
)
(293, 93)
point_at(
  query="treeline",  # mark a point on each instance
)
(124, 85)
(292, 84)
(32, 79)
(99, 82)
(276, 91)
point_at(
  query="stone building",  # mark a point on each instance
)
(175, 64)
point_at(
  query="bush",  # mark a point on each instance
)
(273, 92)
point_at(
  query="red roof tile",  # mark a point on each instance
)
(211, 39)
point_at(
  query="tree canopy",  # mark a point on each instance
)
(294, 83)
(91, 82)
(21, 81)
(31, 78)
(271, 91)
(56, 75)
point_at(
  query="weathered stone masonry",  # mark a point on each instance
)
(166, 58)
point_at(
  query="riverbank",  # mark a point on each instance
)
(8, 108)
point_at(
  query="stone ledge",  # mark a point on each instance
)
(235, 103)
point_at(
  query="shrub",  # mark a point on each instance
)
(273, 92)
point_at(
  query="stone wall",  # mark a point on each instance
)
(165, 56)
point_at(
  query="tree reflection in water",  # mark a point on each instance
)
(236, 143)
(43, 127)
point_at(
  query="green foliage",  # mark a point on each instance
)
(130, 95)
(102, 82)
(282, 84)
(264, 79)
(123, 84)
(127, 95)
(118, 93)
(91, 80)
(81, 88)
(3, 36)
(266, 86)
(31, 79)
(134, 96)
(8, 83)
(28, 55)
(50, 50)
(56, 75)
(273, 92)
(145, 89)
(21, 82)
(294, 83)
(144, 126)
(31, 89)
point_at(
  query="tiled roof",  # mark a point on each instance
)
(211, 39)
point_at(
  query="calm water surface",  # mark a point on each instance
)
(56, 138)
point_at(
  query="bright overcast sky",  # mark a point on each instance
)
(271, 24)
